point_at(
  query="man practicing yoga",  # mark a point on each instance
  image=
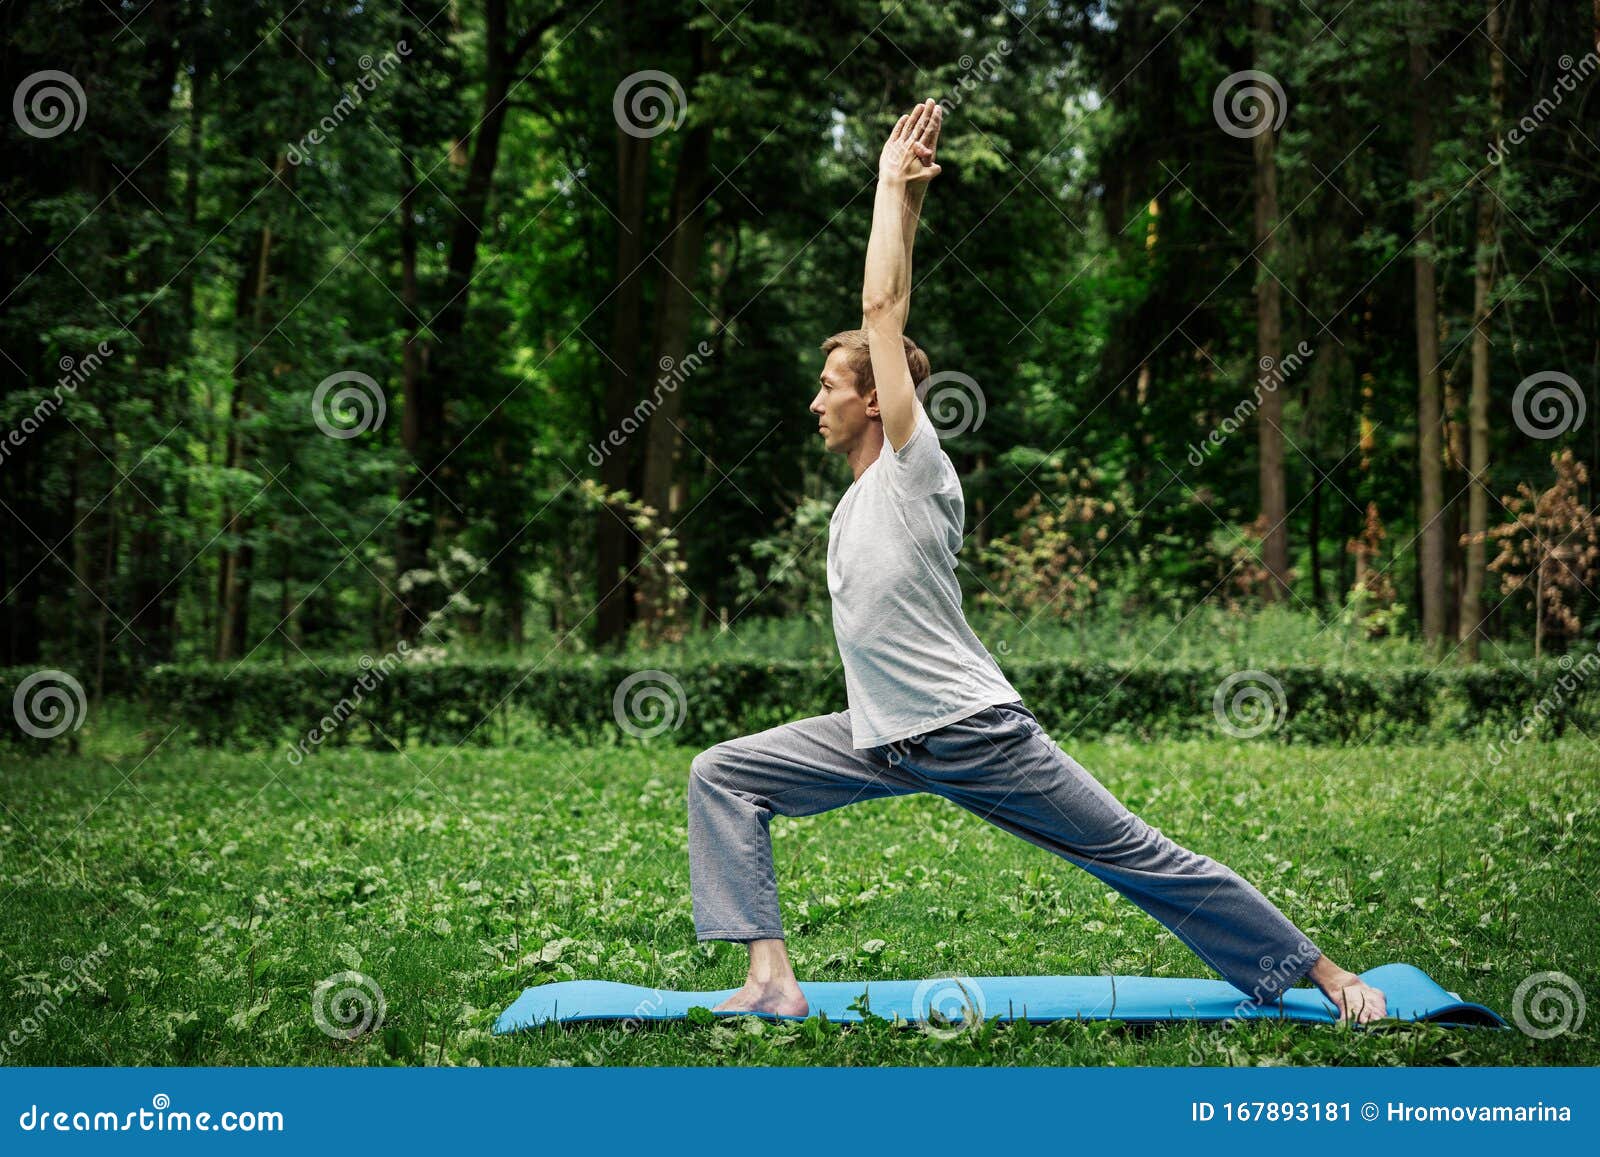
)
(929, 709)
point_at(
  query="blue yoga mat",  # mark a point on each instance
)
(1411, 994)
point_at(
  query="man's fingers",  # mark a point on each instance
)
(918, 130)
(918, 116)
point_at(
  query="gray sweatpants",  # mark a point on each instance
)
(1000, 765)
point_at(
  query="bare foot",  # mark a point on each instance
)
(770, 985)
(779, 998)
(1356, 1000)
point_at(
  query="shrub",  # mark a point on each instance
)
(702, 703)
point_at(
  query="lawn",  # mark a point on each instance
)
(225, 887)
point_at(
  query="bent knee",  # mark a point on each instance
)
(710, 766)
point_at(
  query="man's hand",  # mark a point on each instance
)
(907, 156)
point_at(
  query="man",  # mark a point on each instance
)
(929, 709)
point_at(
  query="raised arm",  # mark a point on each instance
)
(910, 214)
(904, 170)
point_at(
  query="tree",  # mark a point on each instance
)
(1430, 463)
(1551, 550)
(1269, 332)
(1471, 624)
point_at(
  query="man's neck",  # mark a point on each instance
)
(866, 452)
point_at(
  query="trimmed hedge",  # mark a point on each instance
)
(493, 702)
(299, 708)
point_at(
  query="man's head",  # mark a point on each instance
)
(846, 403)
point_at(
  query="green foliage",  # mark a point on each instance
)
(1086, 257)
(787, 571)
(491, 703)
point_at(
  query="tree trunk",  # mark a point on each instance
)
(1430, 470)
(615, 545)
(1471, 619)
(234, 570)
(410, 540)
(438, 370)
(152, 592)
(1269, 341)
(687, 230)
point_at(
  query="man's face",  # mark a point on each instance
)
(842, 414)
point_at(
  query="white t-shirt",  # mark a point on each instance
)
(911, 662)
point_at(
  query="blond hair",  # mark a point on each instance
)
(858, 356)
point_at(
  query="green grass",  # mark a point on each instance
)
(225, 887)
